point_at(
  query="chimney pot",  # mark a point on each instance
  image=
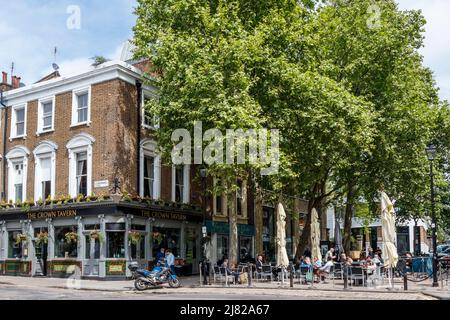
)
(18, 81)
(5, 77)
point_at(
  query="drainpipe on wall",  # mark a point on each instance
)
(4, 107)
(138, 140)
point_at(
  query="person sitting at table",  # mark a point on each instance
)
(330, 253)
(316, 265)
(230, 272)
(369, 265)
(326, 268)
(259, 264)
(343, 258)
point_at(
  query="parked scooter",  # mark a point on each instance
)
(160, 274)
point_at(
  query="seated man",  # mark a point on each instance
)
(229, 272)
(259, 264)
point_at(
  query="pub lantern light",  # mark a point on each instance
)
(431, 151)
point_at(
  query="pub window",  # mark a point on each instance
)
(95, 247)
(138, 250)
(222, 246)
(167, 238)
(149, 176)
(81, 174)
(149, 120)
(64, 248)
(18, 181)
(46, 177)
(14, 250)
(81, 107)
(180, 183)
(115, 238)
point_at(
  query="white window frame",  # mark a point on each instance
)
(148, 148)
(243, 199)
(80, 143)
(41, 115)
(186, 189)
(45, 149)
(224, 211)
(75, 94)
(147, 94)
(17, 154)
(13, 130)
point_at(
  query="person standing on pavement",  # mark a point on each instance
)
(170, 260)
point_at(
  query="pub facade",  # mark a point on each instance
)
(84, 190)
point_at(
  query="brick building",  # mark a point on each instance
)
(69, 147)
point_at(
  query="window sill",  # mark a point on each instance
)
(24, 137)
(44, 132)
(74, 125)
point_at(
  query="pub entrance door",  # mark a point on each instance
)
(40, 251)
(91, 265)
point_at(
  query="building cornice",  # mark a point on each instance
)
(105, 72)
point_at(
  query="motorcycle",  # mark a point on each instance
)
(160, 274)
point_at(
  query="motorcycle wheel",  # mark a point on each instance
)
(140, 284)
(174, 283)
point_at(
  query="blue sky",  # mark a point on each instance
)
(30, 29)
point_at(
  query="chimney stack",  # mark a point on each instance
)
(4, 78)
(5, 86)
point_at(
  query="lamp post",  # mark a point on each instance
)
(431, 154)
(205, 267)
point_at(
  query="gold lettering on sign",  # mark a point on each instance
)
(52, 214)
(164, 215)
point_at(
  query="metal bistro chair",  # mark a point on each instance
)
(337, 271)
(357, 273)
(217, 276)
(265, 272)
(226, 278)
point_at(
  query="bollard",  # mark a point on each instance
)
(345, 277)
(405, 282)
(200, 268)
(291, 276)
(250, 271)
(210, 267)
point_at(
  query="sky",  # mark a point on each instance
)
(31, 29)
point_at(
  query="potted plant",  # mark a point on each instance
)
(71, 237)
(79, 198)
(20, 238)
(40, 202)
(158, 237)
(126, 197)
(48, 201)
(134, 237)
(97, 235)
(18, 204)
(42, 237)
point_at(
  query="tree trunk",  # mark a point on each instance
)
(305, 239)
(348, 218)
(233, 241)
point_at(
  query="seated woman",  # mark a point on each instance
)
(326, 269)
(316, 266)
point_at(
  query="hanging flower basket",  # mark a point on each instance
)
(158, 237)
(71, 237)
(97, 235)
(134, 237)
(20, 238)
(42, 237)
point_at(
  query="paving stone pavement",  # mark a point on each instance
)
(191, 287)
